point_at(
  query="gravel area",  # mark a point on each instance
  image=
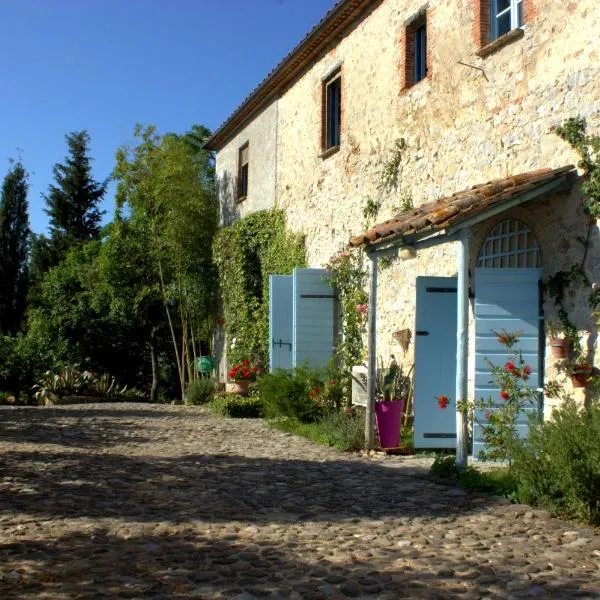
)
(154, 501)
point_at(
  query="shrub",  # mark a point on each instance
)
(200, 391)
(344, 432)
(286, 394)
(558, 465)
(236, 406)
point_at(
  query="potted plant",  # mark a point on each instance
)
(390, 387)
(580, 372)
(560, 345)
(242, 374)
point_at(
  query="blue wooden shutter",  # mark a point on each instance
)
(504, 299)
(314, 318)
(281, 304)
(435, 361)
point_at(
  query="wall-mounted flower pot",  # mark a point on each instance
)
(580, 375)
(560, 347)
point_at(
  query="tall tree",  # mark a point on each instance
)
(72, 206)
(167, 183)
(14, 248)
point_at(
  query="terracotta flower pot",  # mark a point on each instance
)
(241, 387)
(581, 375)
(560, 347)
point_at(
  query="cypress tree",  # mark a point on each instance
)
(72, 207)
(14, 249)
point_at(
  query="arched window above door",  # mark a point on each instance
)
(510, 245)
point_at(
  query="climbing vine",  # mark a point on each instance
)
(574, 131)
(246, 253)
(348, 277)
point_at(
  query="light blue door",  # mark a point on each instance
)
(281, 306)
(435, 361)
(314, 318)
(505, 299)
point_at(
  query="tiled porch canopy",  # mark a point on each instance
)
(462, 209)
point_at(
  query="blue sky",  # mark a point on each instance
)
(104, 65)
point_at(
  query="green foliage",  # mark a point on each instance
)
(246, 253)
(444, 466)
(237, 407)
(14, 249)
(390, 171)
(200, 391)
(297, 394)
(574, 131)
(336, 429)
(343, 431)
(558, 465)
(349, 278)
(167, 183)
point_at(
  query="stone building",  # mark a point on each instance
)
(474, 89)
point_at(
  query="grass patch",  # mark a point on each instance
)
(337, 430)
(498, 482)
(236, 406)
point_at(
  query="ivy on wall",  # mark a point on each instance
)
(246, 253)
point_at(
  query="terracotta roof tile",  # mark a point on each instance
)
(451, 210)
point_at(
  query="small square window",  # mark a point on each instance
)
(505, 15)
(332, 111)
(242, 188)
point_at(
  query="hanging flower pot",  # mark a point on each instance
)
(560, 347)
(581, 374)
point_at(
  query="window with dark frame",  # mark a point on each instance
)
(415, 51)
(420, 52)
(242, 190)
(505, 15)
(332, 111)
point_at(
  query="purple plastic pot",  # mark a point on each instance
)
(388, 415)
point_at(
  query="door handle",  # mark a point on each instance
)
(421, 332)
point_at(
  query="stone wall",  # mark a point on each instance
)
(261, 136)
(463, 125)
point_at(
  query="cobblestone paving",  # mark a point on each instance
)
(146, 501)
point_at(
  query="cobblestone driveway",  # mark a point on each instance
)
(146, 501)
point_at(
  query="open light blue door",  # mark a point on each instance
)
(505, 299)
(435, 361)
(281, 306)
(314, 318)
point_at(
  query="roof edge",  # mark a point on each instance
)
(339, 17)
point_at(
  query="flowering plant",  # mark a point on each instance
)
(499, 423)
(243, 371)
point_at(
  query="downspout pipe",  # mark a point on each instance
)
(372, 354)
(462, 348)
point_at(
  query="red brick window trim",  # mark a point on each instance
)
(416, 54)
(495, 19)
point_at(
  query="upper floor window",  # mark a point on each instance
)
(420, 49)
(332, 111)
(242, 190)
(505, 15)
(415, 51)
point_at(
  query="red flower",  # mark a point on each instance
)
(504, 395)
(510, 366)
(255, 369)
(526, 372)
(245, 362)
(442, 402)
(232, 373)
(246, 373)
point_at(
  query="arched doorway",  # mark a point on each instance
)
(507, 297)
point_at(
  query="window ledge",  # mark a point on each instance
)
(240, 199)
(507, 38)
(327, 153)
